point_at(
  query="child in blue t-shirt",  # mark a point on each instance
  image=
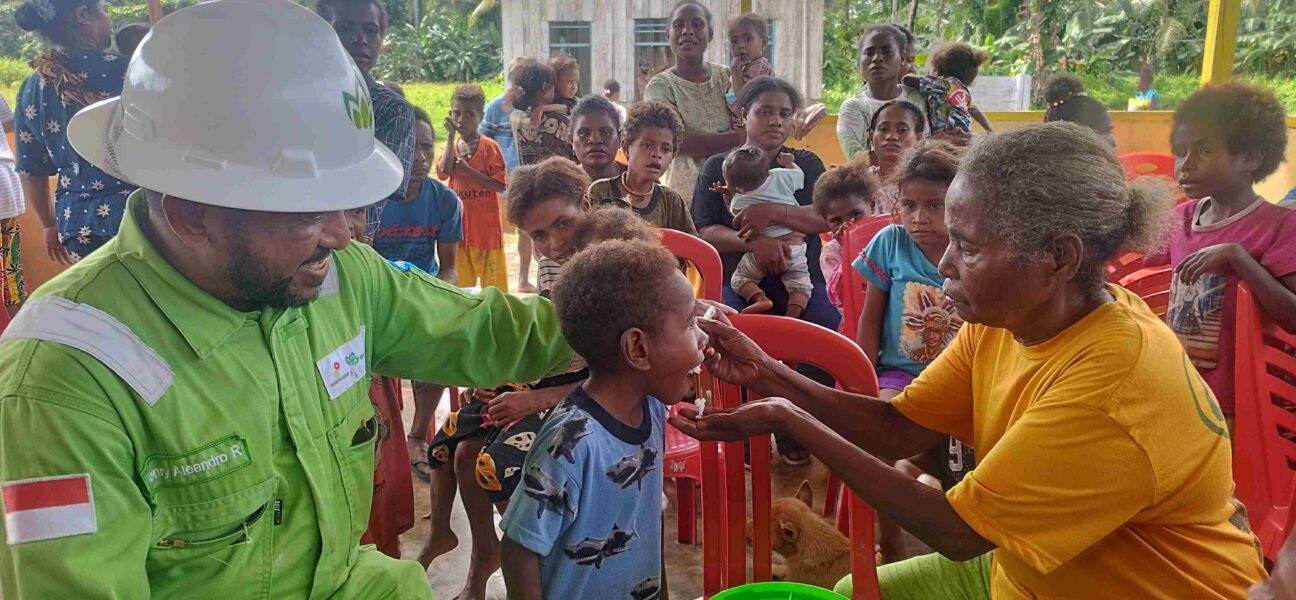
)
(425, 228)
(907, 321)
(587, 520)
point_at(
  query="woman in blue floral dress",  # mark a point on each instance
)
(78, 70)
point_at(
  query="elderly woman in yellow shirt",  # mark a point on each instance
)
(1103, 462)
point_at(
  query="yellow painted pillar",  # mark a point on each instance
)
(1221, 40)
(744, 6)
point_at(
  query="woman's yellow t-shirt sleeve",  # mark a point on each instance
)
(940, 398)
(1063, 477)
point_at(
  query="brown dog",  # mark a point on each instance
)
(815, 552)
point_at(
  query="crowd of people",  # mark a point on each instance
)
(207, 401)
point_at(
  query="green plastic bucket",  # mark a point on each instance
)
(776, 590)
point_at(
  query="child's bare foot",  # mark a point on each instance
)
(526, 287)
(758, 304)
(479, 573)
(437, 544)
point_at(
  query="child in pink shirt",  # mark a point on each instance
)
(1226, 138)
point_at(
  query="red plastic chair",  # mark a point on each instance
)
(724, 546)
(1124, 265)
(683, 459)
(1153, 286)
(1143, 164)
(854, 241)
(1264, 465)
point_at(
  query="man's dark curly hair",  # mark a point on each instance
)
(608, 289)
(649, 113)
(1250, 117)
(554, 178)
(957, 59)
(839, 183)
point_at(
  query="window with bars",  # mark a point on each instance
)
(573, 38)
(652, 51)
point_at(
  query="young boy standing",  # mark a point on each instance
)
(650, 138)
(474, 167)
(423, 229)
(587, 519)
(1226, 138)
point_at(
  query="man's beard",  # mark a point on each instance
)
(255, 287)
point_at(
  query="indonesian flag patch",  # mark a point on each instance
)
(46, 508)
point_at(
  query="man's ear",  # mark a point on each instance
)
(634, 349)
(187, 220)
(1067, 253)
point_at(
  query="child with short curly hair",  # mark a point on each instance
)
(587, 520)
(953, 67)
(473, 166)
(650, 138)
(842, 196)
(1226, 138)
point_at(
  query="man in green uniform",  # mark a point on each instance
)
(185, 413)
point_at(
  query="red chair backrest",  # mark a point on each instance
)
(1264, 464)
(1143, 164)
(793, 341)
(854, 241)
(1153, 286)
(1123, 265)
(703, 256)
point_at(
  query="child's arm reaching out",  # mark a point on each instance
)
(912, 81)
(521, 571)
(1276, 296)
(787, 160)
(981, 119)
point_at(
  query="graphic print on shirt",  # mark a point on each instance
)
(1195, 315)
(486, 476)
(548, 493)
(593, 551)
(929, 322)
(632, 469)
(565, 442)
(648, 589)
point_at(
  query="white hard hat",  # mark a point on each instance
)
(249, 104)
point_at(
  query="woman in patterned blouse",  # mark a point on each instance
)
(76, 71)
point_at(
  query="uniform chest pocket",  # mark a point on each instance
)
(226, 528)
(353, 443)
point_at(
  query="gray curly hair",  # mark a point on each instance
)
(1043, 181)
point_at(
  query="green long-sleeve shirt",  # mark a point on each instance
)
(225, 454)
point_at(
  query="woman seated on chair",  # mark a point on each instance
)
(1103, 466)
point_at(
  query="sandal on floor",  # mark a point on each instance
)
(422, 469)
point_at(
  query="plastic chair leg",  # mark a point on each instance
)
(686, 512)
(832, 492)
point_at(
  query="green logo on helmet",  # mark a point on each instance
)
(358, 106)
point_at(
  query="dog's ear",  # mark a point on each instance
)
(789, 531)
(805, 494)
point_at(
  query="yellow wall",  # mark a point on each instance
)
(1135, 132)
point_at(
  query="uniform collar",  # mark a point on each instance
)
(204, 321)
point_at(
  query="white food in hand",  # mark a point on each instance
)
(700, 403)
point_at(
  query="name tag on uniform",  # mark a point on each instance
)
(214, 460)
(344, 367)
